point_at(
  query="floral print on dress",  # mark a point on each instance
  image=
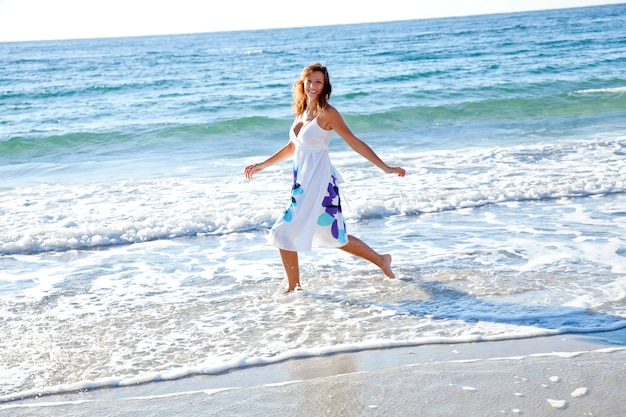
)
(332, 214)
(296, 189)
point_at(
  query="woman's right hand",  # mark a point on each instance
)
(252, 169)
(282, 154)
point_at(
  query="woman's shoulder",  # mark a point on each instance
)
(328, 117)
(330, 110)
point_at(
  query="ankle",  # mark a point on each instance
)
(296, 287)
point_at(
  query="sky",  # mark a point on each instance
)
(22, 20)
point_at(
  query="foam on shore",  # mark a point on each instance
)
(574, 374)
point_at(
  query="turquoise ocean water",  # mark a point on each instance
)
(132, 249)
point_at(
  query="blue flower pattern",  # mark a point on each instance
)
(296, 189)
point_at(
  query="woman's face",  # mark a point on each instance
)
(314, 85)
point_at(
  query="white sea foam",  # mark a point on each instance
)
(111, 382)
(59, 216)
(612, 90)
(123, 310)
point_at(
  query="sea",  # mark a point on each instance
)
(133, 249)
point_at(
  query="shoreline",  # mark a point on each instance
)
(575, 374)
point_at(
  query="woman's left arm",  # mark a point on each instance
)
(334, 120)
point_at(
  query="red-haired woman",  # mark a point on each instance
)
(314, 214)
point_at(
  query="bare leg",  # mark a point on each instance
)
(292, 269)
(357, 247)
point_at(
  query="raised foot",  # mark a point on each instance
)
(386, 266)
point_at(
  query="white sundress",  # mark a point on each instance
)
(314, 214)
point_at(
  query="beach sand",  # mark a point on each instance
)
(564, 375)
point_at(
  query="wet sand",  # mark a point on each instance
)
(564, 375)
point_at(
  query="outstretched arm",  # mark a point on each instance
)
(282, 154)
(334, 120)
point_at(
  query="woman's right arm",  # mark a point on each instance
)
(282, 154)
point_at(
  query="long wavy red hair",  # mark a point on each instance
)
(299, 96)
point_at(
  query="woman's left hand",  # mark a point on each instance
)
(401, 172)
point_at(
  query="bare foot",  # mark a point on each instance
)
(296, 288)
(386, 267)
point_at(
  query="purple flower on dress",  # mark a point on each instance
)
(329, 200)
(332, 204)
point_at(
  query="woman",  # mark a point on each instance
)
(314, 214)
